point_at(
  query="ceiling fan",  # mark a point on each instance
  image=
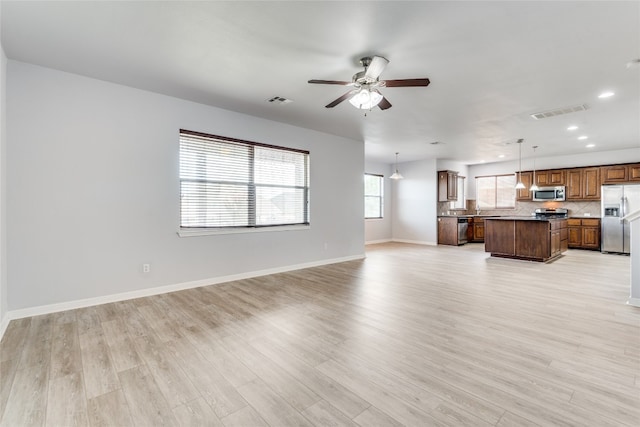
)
(365, 94)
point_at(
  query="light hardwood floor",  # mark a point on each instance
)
(412, 335)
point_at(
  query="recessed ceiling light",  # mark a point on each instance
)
(583, 137)
(605, 95)
(501, 156)
(572, 127)
(590, 145)
(482, 161)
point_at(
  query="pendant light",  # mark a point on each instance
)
(396, 174)
(534, 187)
(520, 185)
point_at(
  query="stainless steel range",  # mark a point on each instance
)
(546, 213)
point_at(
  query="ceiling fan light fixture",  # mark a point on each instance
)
(365, 99)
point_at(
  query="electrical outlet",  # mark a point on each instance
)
(146, 268)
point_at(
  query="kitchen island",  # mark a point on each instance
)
(529, 238)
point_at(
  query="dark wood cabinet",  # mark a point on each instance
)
(524, 193)
(558, 177)
(583, 184)
(475, 232)
(447, 186)
(575, 233)
(614, 174)
(620, 174)
(551, 178)
(478, 232)
(591, 184)
(574, 184)
(448, 231)
(535, 240)
(584, 233)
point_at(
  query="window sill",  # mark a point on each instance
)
(240, 230)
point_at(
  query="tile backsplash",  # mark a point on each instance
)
(581, 209)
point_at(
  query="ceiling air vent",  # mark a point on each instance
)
(279, 100)
(559, 111)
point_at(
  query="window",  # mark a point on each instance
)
(496, 192)
(373, 192)
(229, 183)
(461, 203)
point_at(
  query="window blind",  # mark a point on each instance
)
(226, 182)
(495, 192)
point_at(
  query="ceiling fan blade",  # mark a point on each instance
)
(407, 82)
(378, 63)
(342, 98)
(330, 82)
(384, 104)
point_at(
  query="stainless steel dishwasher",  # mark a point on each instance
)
(463, 227)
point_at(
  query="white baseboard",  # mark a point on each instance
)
(634, 302)
(4, 322)
(88, 302)
(375, 242)
(415, 242)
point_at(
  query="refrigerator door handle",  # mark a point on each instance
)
(623, 209)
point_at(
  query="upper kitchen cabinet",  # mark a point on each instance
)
(583, 184)
(524, 194)
(619, 174)
(614, 174)
(447, 186)
(551, 178)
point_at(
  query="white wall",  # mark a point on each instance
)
(594, 158)
(379, 230)
(415, 201)
(93, 192)
(3, 192)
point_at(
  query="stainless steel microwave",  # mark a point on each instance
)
(549, 194)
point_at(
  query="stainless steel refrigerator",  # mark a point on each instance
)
(618, 201)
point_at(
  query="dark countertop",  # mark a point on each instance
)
(524, 218)
(467, 216)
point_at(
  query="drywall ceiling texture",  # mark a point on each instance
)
(491, 64)
(94, 191)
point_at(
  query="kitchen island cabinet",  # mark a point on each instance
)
(526, 238)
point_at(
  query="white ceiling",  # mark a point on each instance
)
(491, 65)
